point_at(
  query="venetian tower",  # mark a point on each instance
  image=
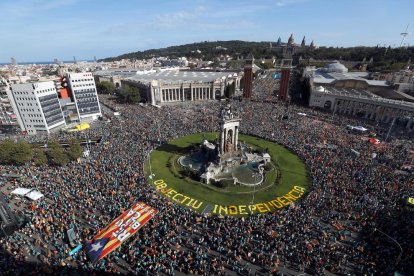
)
(248, 77)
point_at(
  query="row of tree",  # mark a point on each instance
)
(125, 94)
(21, 152)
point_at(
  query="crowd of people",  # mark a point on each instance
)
(266, 85)
(353, 219)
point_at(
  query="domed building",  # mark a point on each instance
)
(353, 93)
(335, 67)
(289, 48)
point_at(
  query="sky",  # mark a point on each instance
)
(42, 30)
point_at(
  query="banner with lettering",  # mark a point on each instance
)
(122, 228)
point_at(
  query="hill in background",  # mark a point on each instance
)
(383, 58)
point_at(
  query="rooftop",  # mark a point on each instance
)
(322, 77)
(363, 94)
(182, 76)
(123, 72)
(345, 91)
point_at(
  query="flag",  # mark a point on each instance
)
(94, 249)
(122, 228)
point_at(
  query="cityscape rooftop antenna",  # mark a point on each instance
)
(404, 34)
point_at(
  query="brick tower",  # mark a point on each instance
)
(286, 66)
(248, 77)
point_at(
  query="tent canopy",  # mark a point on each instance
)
(358, 128)
(21, 191)
(29, 193)
(34, 195)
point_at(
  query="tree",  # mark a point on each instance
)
(264, 65)
(105, 87)
(268, 167)
(56, 154)
(39, 156)
(22, 153)
(75, 150)
(15, 153)
(6, 150)
(129, 94)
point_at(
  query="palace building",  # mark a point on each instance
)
(171, 86)
(333, 87)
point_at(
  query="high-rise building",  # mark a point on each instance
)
(248, 77)
(8, 121)
(37, 107)
(85, 96)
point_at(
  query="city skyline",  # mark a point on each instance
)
(41, 30)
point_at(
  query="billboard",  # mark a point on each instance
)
(122, 228)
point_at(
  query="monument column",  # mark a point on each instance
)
(354, 111)
(236, 137)
(372, 112)
(366, 109)
(224, 133)
(152, 96)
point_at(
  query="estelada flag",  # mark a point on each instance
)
(121, 229)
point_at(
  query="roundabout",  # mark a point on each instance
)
(284, 181)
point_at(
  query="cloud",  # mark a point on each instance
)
(32, 7)
(283, 3)
(170, 20)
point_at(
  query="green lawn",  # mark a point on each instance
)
(200, 196)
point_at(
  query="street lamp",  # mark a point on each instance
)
(254, 191)
(389, 131)
(149, 161)
(395, 241)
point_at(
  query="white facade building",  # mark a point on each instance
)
(36, 106)
(180, 86)
(373, 108)
(351, 93)
(85, 95)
